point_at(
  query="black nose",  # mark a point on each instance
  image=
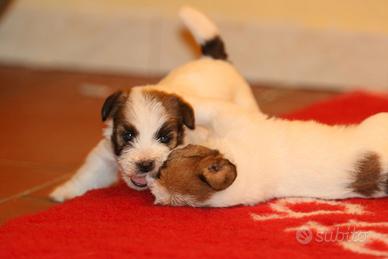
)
(145, 166)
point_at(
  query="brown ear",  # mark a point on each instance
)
(110, 105)
(219, 174)
(187, 113)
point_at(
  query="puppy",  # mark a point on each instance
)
(145, 123)
(265, 158)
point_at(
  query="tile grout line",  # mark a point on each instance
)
(36, 188)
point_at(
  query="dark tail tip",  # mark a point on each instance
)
(214, 48)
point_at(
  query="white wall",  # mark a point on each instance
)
(300, 42)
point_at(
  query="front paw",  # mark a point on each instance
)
(64, 192)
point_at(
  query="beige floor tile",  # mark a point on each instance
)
(14, 179)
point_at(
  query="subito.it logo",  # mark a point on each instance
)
(304, 236)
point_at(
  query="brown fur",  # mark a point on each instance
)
(120, 127)
(113, 103)
(367, 174)
(113, 109)
(179, 113)
(196, 171)
(174, 130)
(175, 106)
(386, 184)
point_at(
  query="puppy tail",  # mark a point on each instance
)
(205, 33)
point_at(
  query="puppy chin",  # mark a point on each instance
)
(127, 179)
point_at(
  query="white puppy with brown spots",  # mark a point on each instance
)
(250, 159)
(145, 123)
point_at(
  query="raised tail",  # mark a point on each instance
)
(205, 33)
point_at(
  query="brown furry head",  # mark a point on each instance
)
(191, 175)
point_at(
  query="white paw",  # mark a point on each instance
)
(65, 192)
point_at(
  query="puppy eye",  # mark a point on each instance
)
(128, 136)
(165, 139)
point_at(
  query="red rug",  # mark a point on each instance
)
(118, 222)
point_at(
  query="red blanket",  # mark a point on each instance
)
(119, 222)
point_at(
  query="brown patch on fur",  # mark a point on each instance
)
(179, 113)
(368, 172)
(175, 106)
(173, 130)
(120, 127)
(386, 185)
(113, 103)
(113, 109)
(196, 171)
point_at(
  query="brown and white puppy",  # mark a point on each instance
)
(265, 158)
(145, 123)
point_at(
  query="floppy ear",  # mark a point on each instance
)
(187, 113)
(110, 105)
(220, 174)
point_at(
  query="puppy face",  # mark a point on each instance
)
(190, 176)
(146, 126)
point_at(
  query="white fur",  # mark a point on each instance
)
(147, 116)
(164, 197)
(99, 170)
(210, 79)
(280, 158)
(205, 78)
(201, 27)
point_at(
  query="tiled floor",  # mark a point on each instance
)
(50, 119)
